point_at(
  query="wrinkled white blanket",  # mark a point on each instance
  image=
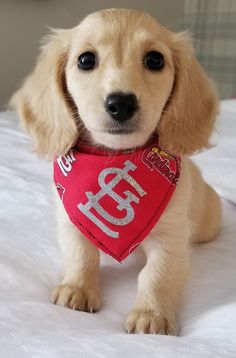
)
(30, 262)
(219, 163)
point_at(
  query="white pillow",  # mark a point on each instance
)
(218, 164)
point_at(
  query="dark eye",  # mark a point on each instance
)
(87, 61)
(154, 61)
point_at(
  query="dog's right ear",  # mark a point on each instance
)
(43, 102)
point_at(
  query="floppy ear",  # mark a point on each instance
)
(188, 118)
(43, 103)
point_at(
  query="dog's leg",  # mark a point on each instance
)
(160, 283)
(80, 286)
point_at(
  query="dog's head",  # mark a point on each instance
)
(116, 79)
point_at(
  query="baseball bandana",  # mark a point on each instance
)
(115, 198)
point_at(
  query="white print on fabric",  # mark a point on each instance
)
(123, 204)
(60, 190)
(65, 162)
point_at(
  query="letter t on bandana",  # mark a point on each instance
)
(115, 199)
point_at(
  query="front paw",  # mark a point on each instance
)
(77, 298)
(151, 322)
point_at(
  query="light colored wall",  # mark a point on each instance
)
(23, 23)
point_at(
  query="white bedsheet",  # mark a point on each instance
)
(30, 262)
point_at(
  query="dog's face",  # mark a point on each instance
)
(120, 75)
(115, 80)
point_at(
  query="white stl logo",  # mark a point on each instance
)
(123, 204)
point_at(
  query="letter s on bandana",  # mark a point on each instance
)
(115, 200)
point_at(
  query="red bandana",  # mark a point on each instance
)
(116, 199)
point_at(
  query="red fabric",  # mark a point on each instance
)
(115, 199)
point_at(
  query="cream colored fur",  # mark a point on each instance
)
(60, 105)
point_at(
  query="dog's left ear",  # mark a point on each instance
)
(43, 102)
(188, 118)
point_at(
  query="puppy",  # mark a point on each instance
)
(64, 102)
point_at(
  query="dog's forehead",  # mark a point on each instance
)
(106, 27)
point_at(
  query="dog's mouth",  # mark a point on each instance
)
(120, 131)
(119, 135)
(123, 128)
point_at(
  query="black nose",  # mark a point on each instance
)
(121, 107)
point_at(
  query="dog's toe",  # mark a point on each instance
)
(139, 321)
(77, 298)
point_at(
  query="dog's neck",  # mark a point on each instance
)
(87, 143)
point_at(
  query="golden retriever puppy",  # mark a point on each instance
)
(128, 54)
